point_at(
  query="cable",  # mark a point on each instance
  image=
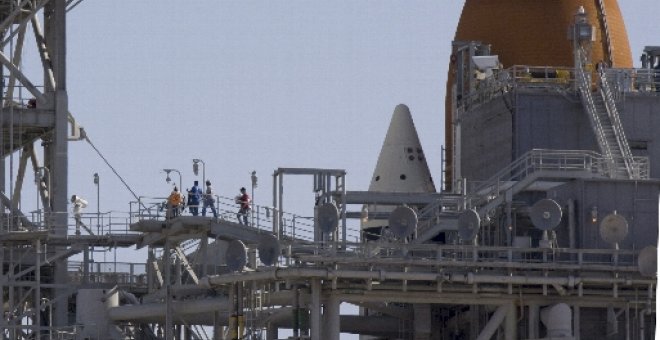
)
(83, 134)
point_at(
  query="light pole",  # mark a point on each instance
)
(254, 185)
(196, 162)
(98, 202)
(168, 179)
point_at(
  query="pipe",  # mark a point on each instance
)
(315, 307)
(157, 310)
(533, 322)
(511, 323)
(331, 318)
(493, 324)
(381, 275)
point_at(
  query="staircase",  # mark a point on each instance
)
(605, 122)
(534, 165)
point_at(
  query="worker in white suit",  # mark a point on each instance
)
(78, 205)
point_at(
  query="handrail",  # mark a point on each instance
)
(616, 124)
(532, 161)
(525, 165)
(583, 80)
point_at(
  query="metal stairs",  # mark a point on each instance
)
(604, 117)
(553, 166)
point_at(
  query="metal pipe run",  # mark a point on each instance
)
(157, 310)
(382, 275)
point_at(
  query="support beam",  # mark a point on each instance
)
(533, 321)
(331, 320)
(494, 323)
(20, 176)
(18, 53)
(14, 71)
(511, 323)
(315, 309)
(57, 150)
(16, 212)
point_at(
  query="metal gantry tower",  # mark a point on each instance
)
(36, 122)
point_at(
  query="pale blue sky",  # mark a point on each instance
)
(256, 85)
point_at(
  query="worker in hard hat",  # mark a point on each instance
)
(78, 205)
(175, 202)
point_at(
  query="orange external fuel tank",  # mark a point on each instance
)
(535, 33)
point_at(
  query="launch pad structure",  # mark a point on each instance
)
(549, 232)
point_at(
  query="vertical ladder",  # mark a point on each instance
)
(606, 33)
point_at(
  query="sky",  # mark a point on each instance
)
(257, 85)
(252, 85)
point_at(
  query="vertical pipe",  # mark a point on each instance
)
(85, 278)
(627, 322)
(571, 223)
(2, 261)
(331, 321)
(37, 290)
(275, 215)
(642, 325)
(343, 210)
(233, 317)
(271, 332)
(55, 24)
(280, 212)
(576, 322)
(511, 323)
(315, 321)
(217, 328)
(168, 291)
(296, 311)
(533, 321)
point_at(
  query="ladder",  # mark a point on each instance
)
(604, 118)
(608, 38)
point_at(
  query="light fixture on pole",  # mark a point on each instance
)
(168, 179)
(98, 201)
(254, 178)
(196, 162)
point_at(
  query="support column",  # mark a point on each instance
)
(55, 36)
(315, 308)
(331, 318)
(576, 322)
(217, 328)
(511, 323)
(422, 321)
(271, 332)
(533, 321)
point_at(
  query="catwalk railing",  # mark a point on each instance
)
(561, 163)
(261, 217)
(622, 82)
(119, 273)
